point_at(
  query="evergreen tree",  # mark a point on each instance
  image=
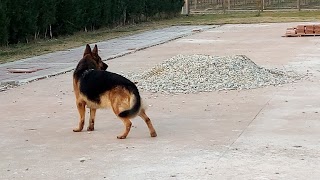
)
(4, 22)
(46, 17)
(135, 9)
(65, 21)
(82, 14)
(151, 8)
(106, 12)
(23, 20)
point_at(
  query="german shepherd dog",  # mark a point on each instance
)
(97, 88)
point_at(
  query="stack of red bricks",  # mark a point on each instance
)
(316, 29)
(300, 29)
(303, 30)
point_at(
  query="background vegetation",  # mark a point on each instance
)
(22, 21)
(66, 33)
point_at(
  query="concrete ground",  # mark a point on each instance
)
(267, 133)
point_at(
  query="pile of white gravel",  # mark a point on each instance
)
(203, 73)
(4, 87)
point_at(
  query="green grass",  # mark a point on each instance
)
(19, 51)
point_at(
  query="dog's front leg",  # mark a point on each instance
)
(82, 111)
(91, 120)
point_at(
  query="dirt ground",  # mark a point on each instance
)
(266, 133)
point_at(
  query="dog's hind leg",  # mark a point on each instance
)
(126, 121)
(146, 119)
(119, 102)
(127, 126)
(91, 120)
(82, 112)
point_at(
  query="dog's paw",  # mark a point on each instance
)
(153, 134)
(90, 128)
(121, 137)
(77, 130)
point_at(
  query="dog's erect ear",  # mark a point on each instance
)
(87, 50)
(95, 50)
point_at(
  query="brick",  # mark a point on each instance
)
(300, 29)
(316, 28)
(309, 29)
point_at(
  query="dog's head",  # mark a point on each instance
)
(93, 55)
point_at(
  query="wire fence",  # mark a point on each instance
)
(212, 5)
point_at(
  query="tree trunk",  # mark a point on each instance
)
(124, 16)
(50, 31)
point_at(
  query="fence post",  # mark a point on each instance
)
(259, 6)
(186, 8)
(298, 5)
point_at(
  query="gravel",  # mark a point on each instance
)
(203, 73)
(4, 87)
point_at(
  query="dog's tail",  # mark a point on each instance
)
(135, 108)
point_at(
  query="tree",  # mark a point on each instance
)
(46, 17)
(4, 22)
(64, 21)
(106, 17)
(151, 8)
(23, 20)
(135, 9)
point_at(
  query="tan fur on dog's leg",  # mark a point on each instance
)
(146, 119)
(91, 120)
(82, 112)
(126, 122)
(127, 126)
(119, 103)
